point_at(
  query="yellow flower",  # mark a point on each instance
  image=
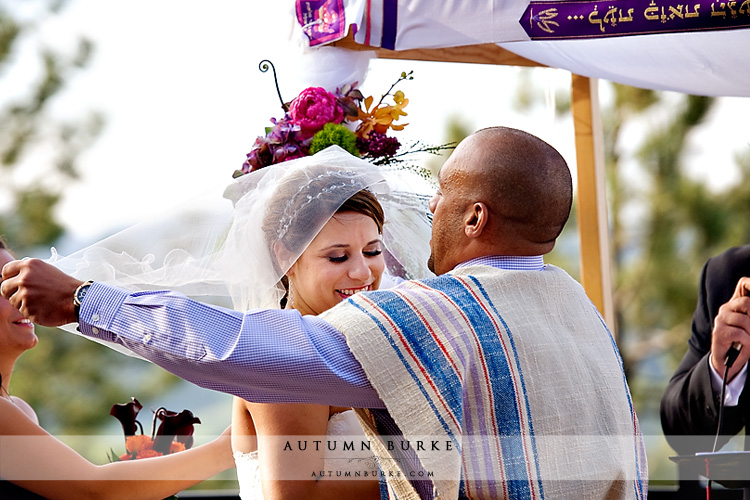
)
(381, 117)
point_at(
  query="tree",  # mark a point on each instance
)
(71, 382)
(30, 133)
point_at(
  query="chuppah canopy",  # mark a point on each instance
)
(694, 47)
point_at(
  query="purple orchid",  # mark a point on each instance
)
(126, 413)
(174, 426)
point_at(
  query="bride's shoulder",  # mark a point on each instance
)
(389, 281)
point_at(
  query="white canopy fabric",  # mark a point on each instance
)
(712, 62)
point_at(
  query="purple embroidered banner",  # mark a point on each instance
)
(322, 21)
(595, 19)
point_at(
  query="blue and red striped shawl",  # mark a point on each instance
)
(507, 384)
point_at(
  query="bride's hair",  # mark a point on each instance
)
(300, 228)
(294, 215)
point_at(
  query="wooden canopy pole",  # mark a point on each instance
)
(593, 224)
(593, 227)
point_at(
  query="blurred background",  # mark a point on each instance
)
(111, 112)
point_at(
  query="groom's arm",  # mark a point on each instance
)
(263, 355)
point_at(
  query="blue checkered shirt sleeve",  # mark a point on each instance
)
(265, 356)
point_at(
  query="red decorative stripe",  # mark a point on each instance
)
(368, 22)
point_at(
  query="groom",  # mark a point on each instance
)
(500, 359)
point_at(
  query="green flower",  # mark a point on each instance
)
(337, 134)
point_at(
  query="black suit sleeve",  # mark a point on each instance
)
(689, 407)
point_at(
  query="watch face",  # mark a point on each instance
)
(81, 292)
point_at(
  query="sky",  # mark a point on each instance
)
(179, 86)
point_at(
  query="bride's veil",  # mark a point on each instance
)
(233, 248)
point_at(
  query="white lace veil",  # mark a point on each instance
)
(220, 249)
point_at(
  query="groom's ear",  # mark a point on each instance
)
(475, 219)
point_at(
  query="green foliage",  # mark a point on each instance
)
(456, 131)
(30, 135)
(70, 381)
(334, 134)
(633, 100)
(9, 30)
(658, 258)
(33, 222)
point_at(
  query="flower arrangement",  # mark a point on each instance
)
(174, 434)
(317, 118)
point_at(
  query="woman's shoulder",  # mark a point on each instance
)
(25, 408)
(18, 418)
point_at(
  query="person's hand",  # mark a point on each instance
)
(42, 293)
(731, 325)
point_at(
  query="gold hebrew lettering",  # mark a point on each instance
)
(651, 12)
(718, 14)
(595, 13)
(629, 18)
(676, 12)
(546, 20)
(695, 7)
(610, 18)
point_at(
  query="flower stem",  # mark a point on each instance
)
(404, 76)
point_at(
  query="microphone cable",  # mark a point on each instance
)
(732, 354)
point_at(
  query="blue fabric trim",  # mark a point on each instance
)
(426, 349)
(382, 484)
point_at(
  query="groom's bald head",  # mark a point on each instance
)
(503, 192)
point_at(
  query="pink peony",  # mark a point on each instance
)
(313, 108)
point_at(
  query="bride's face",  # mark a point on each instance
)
(343, 259)
(16, 332)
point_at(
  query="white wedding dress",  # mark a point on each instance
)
(344, 425)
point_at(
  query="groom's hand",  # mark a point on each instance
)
(42, 293)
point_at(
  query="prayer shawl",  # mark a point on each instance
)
(513, 374)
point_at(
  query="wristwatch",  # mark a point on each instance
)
(78, 296)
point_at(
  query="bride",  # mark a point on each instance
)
(323, 233)
(343, 258)
(304, 234)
